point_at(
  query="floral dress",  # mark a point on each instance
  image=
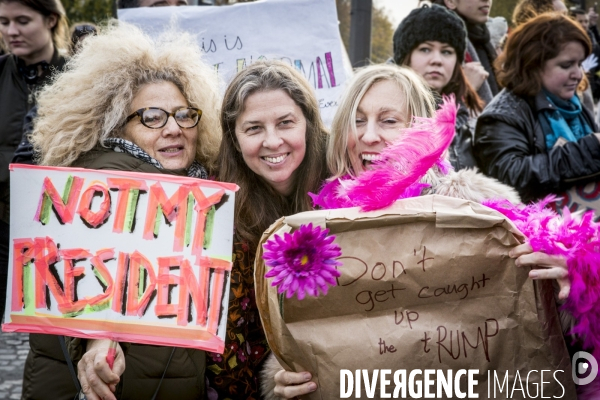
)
(234, 374)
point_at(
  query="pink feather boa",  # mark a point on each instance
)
(402, 165)
(420, 148)
(577, 239)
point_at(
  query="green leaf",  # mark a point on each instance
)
(215, 368)
(232, 362)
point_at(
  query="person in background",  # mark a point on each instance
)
(432, 41)
(528, 9)
(480, 50)
(150, 3)
(79, 32)
(498, 28)
(590, 65)
(273, 148)
(582, 17)
(35, 34)
(129, 103)
(593, 16)
(2, 49)
(536, 136)
(24, 152)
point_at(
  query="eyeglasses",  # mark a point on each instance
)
(156, 118)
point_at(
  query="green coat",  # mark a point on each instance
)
(144, 364)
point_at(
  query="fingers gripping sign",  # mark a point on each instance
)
(98, 381)
(544, 266)
(292, 384)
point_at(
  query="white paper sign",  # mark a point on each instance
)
(127, 256)
(303, 33)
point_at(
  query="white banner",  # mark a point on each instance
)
(303, 33)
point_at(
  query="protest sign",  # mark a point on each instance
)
(302, 33)
(426, 284)
(580, 198)
(127, 256)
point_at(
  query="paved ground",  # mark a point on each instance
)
(13, 352)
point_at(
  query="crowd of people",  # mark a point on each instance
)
(103, 99)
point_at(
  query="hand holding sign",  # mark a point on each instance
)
(289, 385)
(112, 353)
(98, 380)
(550, 267)
(425, 284)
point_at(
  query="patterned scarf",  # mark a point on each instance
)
(565, 121)
(196, 170)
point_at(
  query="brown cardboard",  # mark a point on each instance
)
(452, 250)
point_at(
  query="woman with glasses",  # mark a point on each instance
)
(133, 104)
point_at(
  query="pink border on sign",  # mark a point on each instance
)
(118, 331)
(154, 177)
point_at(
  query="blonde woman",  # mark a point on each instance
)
(381, 101)
(130, 103)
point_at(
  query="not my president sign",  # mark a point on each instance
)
(127, 256)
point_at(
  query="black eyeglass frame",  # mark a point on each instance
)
(139, 113)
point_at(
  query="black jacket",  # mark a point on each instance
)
(510, 145)
(461, 149)
(16, 99)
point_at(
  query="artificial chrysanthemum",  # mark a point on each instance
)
(302, 262)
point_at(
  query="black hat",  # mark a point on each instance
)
(433, 23)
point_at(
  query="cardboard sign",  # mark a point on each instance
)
(127, 256)
(426, 284)
(302, 33)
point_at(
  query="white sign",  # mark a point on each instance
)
(303, 33)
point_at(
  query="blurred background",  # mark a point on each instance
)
(385, 16)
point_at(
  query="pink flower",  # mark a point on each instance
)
(256, 352)
(233, 346)
(241, 356)
(303, 261)
(244, 303)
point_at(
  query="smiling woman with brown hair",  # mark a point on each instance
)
(273, 147)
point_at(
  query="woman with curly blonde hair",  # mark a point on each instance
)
(89, 103)
(112, 109)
